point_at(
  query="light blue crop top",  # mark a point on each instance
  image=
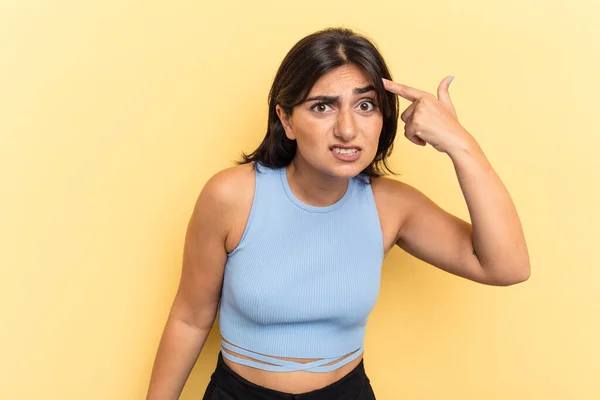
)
(303, 279)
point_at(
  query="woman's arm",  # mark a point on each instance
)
(498, 238)
(195, 306)
(492, 250)
(178, 350)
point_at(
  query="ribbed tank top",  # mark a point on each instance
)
(303, 279)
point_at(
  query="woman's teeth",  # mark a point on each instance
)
(345, 151)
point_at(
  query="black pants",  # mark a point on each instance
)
(225, 384)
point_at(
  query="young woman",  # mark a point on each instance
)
(288, 245)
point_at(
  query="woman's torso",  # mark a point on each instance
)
(390, 216)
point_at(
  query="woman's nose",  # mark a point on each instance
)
(345, 127)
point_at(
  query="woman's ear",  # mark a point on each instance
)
(286, 122)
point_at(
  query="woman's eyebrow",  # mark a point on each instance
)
(334, 99)
(363, 89)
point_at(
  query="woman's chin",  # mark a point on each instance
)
(348, 170)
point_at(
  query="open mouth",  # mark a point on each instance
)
(346, 154)
(345, 151)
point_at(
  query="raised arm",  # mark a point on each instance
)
(491, 250)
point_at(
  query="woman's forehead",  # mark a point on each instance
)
(342, 79)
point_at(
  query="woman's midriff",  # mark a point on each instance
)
(290, 382)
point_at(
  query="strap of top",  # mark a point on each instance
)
(285, 365)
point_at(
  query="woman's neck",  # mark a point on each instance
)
(312, 186)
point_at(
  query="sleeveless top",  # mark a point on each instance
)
(303, 279)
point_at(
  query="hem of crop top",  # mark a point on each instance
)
(285, 365)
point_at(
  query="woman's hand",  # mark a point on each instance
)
(431, 120)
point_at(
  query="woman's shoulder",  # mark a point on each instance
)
(231, 184)
(399, 200)
(231, 192)
(395, 199)
(387, 188)
(392, 189)
(234, 175)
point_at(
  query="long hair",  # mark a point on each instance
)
(309, 59)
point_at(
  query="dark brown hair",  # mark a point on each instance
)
(312, 57)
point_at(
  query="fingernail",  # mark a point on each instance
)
(451, 79)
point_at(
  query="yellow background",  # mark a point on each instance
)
(114, 114)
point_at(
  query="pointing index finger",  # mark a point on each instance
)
(407, 92)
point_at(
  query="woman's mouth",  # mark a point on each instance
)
(346, 154)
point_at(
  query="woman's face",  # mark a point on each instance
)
(337, 128)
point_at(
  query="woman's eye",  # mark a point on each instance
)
(367, 106)
(321, 107)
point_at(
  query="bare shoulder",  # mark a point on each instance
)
(388, 187)
(223, 196)
(398, 194)
(396, 202)
(392, 205)
(228, 186)
(229, 194)
(393, 194)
